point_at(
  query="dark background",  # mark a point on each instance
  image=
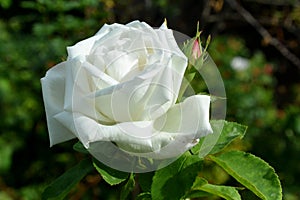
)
(265, 96)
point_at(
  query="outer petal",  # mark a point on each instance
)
(158, 140)
(136, 136)
(53, 85)
(185, 123)
(186, 118)
(84, 47)
(108, 31)
(168, 40)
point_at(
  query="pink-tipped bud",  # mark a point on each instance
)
(196, 49)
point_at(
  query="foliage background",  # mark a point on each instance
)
(265, 96)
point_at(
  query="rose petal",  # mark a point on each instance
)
(159, 140)
(146, 97)
(88, 130)
(53, 85)
(118, 68)
(84, 47)
(185, 122)
(191, 117)
(80, 87)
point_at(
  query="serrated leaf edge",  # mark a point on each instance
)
(240, 179)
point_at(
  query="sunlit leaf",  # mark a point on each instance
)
(252, 172)
(226, 192)
(173, 181)
(223, 134)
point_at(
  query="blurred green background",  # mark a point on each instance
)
(262, 84)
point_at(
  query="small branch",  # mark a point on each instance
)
(264, 33)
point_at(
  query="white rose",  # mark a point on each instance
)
(121, 86)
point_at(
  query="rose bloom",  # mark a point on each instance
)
(121, 86)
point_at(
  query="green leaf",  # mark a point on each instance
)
(195, 194)
(252, 172)
(145, 181)
(111, 176)
(144, 196)
(78, 146)
(226, 192)
(230, 131)
(166, 181)
(63, 184)
(223, 134)
(128, 187)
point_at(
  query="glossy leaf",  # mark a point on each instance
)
(230, 131)
(226, 192)
(223, 134)
(252, 172)
(173, 181)
(196, 194)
